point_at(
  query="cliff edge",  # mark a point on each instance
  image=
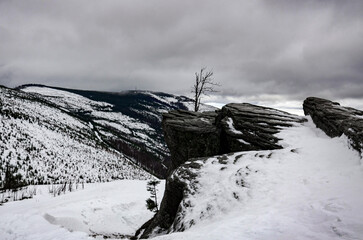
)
(190, 135)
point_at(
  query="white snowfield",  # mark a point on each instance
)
(311, 190)
(100, 208)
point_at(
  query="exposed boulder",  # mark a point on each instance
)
(236, 127)
(247, 127)
(190, 135)
(175, 190)
(336, 120)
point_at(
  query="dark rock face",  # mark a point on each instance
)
(190, 135)
(236, 127)
(248, 127)
(336, 120)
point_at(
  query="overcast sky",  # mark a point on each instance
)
(273, 50)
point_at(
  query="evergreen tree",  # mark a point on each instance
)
(152, 202)
(12, 179)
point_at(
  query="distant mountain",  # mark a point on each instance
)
(86, 124)
(46, 144)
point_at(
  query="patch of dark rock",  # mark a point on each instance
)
(235, 195)
(111, 236)
(240, 182)
(198, 138)
(237, 158)
(194, 165)
(336, 120)
(222, 159)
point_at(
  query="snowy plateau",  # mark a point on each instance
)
(310, 189)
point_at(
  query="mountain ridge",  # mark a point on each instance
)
(45, 144)
(127, 123)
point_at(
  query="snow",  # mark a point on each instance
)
(216, 104)
(102, 208)
(111, 124)
(67, 99)
(48, 145)
(243, 141)
(202, 108)
(117, 126)
(312, 189)
(232, 128)
(79, 103)
(166, 100)
(104, 116)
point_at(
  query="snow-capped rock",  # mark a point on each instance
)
(236, 127)
(310, 189)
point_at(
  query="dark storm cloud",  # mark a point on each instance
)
(286, 48)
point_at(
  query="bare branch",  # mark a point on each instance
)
(203, 85)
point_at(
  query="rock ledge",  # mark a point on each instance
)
(234, 128)
(336, 120)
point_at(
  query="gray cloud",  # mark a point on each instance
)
(287, 48)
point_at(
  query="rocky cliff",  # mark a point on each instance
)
(236, 127)
(336, 120)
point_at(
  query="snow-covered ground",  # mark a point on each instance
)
(100, 208)
(312, 189)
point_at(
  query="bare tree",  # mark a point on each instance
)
(203, 86)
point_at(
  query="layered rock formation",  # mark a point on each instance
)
(336, 120)
(246, 127)
(193, 137)
(190, 135)
(236, 127)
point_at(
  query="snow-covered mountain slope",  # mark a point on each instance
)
(111, 209)
(46, 144)
(311, 189)
(130, 122)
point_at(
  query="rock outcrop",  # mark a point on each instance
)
(336, 120)
(246, 127)
(236, 127)
(190, 135)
